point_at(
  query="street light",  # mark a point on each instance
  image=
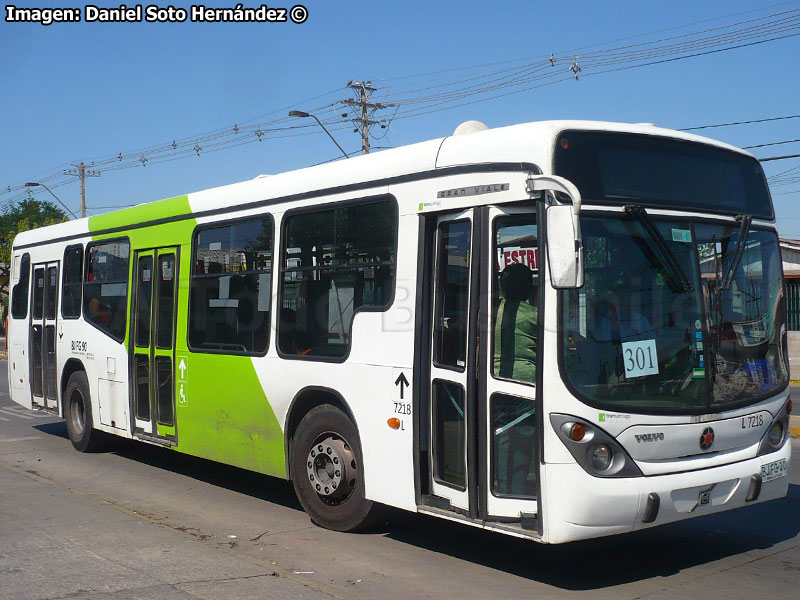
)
(303, 115)
(37, 184)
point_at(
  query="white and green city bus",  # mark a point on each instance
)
(554, 330)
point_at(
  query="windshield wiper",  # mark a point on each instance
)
(733, 265)
(676, 278)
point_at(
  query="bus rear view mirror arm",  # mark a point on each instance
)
(564, 242)
(554, 183)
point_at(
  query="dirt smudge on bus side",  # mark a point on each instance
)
(227, 417)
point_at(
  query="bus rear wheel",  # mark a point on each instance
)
(78, 413)
(327, 473)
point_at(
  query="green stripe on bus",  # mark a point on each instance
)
(141, 213)
(224, 414)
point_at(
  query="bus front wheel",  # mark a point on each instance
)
(327, 472)
(78, 413)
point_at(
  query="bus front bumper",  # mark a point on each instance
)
(580, 506)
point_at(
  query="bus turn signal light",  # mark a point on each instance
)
(394, 423)
(577, 432)
(789, 407)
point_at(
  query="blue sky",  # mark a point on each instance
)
(74, 92)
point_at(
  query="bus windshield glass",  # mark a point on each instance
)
(698, 331)
(614, 168)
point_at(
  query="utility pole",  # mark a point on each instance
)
(364, 118)
(363, 90)
(81, 172)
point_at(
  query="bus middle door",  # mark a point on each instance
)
(153, 344)
(44, 384)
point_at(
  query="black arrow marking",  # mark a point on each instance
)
(402, 382)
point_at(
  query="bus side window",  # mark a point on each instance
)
(19, 295)
(231, 287)
(513, 446)
(73, 279)
(515, 298)
(336, 261)
(105, 297)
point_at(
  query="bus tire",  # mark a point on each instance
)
(78, 413)
(325, 460)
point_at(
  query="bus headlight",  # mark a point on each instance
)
(597, 452)
(601, 457)
(775, 434)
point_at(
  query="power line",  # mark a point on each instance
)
(784, 183)
(770, 144)
(579, 50)
(483, 87)
(740, 123)
(779, 157)
(453, 99)
(787, 171)
(613, 56)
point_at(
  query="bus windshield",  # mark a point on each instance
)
(688, 323)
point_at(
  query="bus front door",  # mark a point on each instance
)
(510, 312)
(479, 417)
(44, 388)
(452, 374)
(153, 344)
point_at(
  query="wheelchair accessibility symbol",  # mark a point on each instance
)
(182, 367)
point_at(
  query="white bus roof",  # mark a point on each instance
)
(523, 143)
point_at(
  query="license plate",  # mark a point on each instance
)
(773, 470)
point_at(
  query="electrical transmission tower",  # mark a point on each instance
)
(366, 109)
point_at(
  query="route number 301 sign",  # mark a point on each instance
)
(640, 358)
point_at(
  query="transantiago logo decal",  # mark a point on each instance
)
(707, 438)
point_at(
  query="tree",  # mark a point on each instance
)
(16, 218)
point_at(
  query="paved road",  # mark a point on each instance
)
(142, 522)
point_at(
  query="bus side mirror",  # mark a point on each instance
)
(564, 242)
(564, 248)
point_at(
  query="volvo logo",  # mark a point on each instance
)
(706, 438)
(650, 437)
